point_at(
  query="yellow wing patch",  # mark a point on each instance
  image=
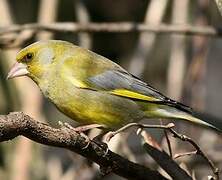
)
(131, 94)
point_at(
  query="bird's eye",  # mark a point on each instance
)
(28, 57)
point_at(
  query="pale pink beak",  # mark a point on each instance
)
(18, 69)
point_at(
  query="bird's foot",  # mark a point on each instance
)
(98, 140)
(81, 130)
(68, 126)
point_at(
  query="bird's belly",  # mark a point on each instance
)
(86, 107)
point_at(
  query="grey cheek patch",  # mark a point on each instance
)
(46, 56)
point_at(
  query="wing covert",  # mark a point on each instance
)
(122, 83)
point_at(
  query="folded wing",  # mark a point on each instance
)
(121, 83)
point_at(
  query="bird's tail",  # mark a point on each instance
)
(168, 112)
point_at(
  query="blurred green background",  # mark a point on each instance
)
(186, 68)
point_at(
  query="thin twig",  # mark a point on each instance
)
(168, 143)
(150, 140)
(199, 151)
(167, 140)
(179, 155)
(169, 127)
(111, 134)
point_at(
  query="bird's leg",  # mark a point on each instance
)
(87, 127)
(67, 125)
(80, 129)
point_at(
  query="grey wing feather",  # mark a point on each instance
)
(120, 79)
(112, 79)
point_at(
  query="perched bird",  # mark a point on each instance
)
(91, 89)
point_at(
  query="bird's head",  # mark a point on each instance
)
(37, 59)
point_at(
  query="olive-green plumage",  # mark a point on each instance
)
(90, 88)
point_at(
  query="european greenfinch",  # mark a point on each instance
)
(92, 89)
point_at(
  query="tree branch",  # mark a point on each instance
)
(122, 27)
(18, 123)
